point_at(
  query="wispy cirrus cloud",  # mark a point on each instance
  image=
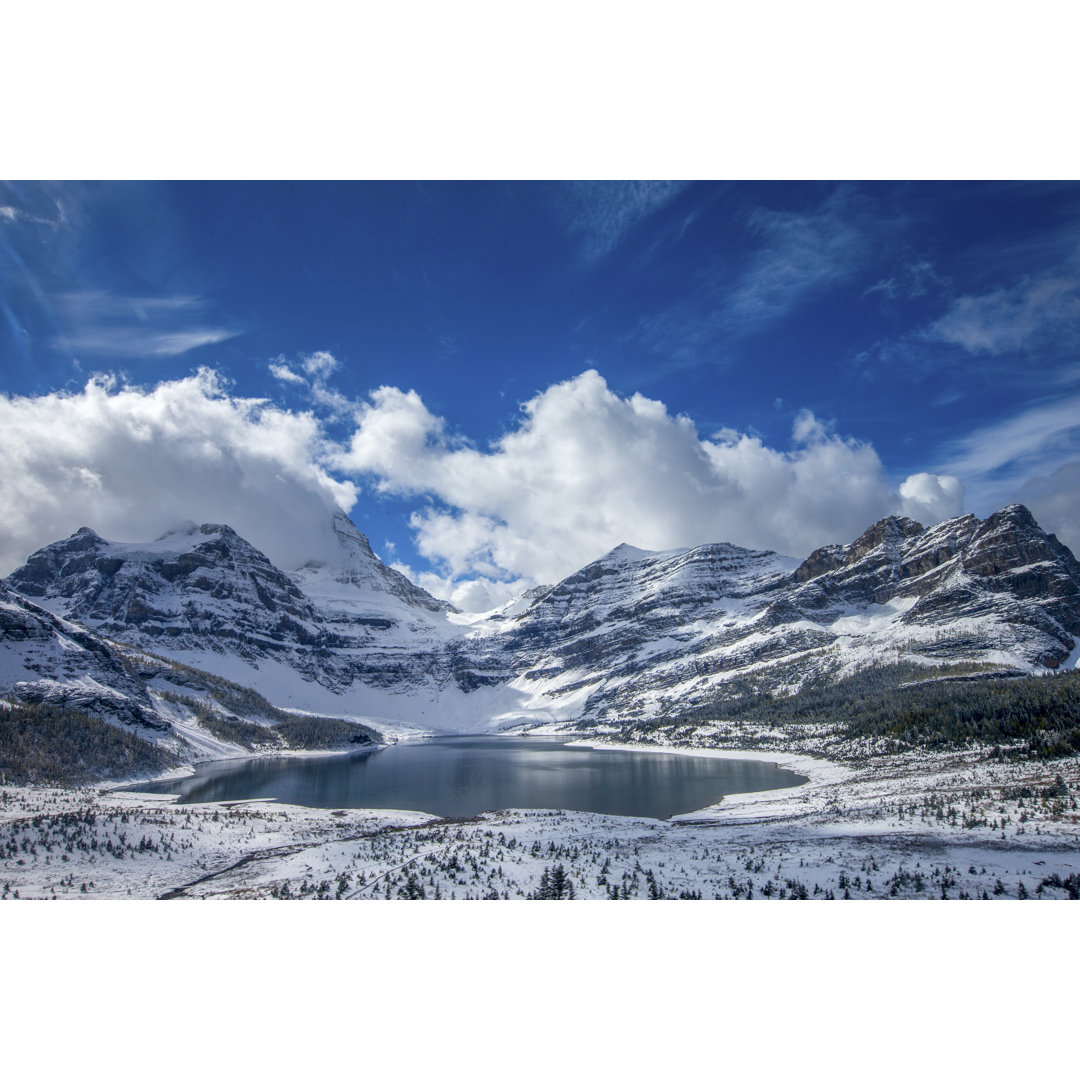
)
(911, 281)
(603, 213)
(798, 254)
(10, 215)
(1035, 316)
(133, 327)
(1021, 442)
(794, 255)
(1031, 457)
(130, 342)
(317, 368)
(16, 215)
(1010, 320)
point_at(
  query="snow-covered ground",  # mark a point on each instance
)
(908, 826)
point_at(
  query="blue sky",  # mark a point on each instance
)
(776, 364)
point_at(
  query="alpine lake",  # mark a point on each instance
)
(462, 776)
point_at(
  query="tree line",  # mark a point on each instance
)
(49, 744)
(906, 706)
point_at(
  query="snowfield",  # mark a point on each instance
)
(906, 826)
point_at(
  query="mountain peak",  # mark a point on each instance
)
(894, 528)
(353, 564)
(628, 551)
(1015, 515)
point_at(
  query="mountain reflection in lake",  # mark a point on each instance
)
(460, 776)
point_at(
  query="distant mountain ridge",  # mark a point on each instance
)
(637, 632)
(632, 634)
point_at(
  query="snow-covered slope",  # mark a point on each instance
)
(348, 635)
(637, 633)
(48, 660)
(632, 634)
(358, 581)
(198, 587)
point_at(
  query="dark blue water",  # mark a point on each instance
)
(462, 776)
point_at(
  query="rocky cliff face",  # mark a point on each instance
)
(199, 587)
(634, 633)
(638, 632)
(208, 597)
(997, 585)
(45, 659)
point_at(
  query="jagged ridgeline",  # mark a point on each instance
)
(258, 657)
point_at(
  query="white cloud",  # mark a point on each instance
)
(583, 470)
(586, 470)
(131, 463)
(283, 373)
(930, 498)
(474, 594)
(332, 401)
(319, 364)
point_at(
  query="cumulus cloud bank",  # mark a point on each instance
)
(583, 470)
(587, 469)
(132, 463)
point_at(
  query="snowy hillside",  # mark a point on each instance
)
(637, 632)
(632, 634)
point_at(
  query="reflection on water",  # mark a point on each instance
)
(461, 776)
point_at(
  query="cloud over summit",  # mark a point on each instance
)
(583, 470)
(586, 469)
(131, 463)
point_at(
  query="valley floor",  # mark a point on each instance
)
(905, 826)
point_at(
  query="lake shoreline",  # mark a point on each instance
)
(912, 826)
(463, 775)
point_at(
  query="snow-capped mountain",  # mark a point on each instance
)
(358, 583)
(638, 632)
(205, 595)
(633, 633)
(199, 587)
